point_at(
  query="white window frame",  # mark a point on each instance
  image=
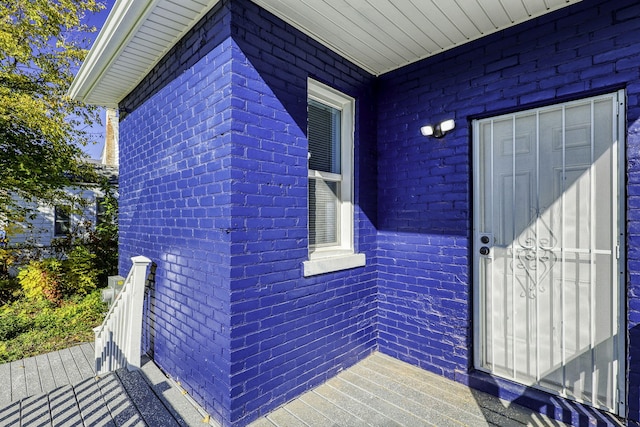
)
(326, 259)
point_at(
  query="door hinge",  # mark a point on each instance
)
(617, 251)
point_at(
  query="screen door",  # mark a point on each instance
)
(547, 235)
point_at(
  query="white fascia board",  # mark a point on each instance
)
(125, 17)
(121, 27)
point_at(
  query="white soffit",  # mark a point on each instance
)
(377, 35)
(382, 35)
(136, 35)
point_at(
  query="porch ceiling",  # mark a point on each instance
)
(378, 35)
(382, 35)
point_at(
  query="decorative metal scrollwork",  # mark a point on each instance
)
(535, 256)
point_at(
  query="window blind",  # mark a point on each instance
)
(324, 137)
(323, 212)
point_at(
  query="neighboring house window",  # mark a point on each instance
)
(330, 130)
(100, 210)
(62, 221)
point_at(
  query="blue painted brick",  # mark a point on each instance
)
(218, 199)
(406, 210)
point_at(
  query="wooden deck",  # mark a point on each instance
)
(61, 389)
(46, 372)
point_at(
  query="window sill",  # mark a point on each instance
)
(330, 263)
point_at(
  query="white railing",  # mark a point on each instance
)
(118, 339)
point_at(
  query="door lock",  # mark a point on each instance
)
(485, 242)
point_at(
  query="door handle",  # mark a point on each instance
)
(484, 250)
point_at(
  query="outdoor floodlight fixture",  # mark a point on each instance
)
(439, 130)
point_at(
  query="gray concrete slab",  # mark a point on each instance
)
(34, 411)
(283, 418)
(424, 407)
(47, 381)
(358, 405)
(64, 407)
(10, 414)
(85, 366)
(175, 400)
(5, 391)
(32, 377)
(70, 367)
(427, 405)
(331, 411)
(383, 391)
(378, 404)
(308, 414)
(263, 422)
(18, 380)
(447, 396)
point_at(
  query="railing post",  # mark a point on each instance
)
(132, 347)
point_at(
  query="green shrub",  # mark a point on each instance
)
(80, 275)
(9, 289)
(13, 324)
(52, 279)
(42, 280)
(37, 326)
(18, 316)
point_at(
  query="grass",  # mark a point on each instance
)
(29, 328)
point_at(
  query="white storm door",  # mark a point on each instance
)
(547, 236)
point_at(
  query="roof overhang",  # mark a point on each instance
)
(378, 36)
(135, 36)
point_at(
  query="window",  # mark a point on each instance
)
(62, 221)
(325, 175)
(330, 135)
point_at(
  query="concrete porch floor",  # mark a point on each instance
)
(61, 389)
(383, 391)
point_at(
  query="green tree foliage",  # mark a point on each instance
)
(41, 45)
(103, 240)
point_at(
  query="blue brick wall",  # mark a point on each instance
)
(425, 194)
(175, 208)
(290, 333)
(214, 184)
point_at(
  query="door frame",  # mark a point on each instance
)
(619, 172)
